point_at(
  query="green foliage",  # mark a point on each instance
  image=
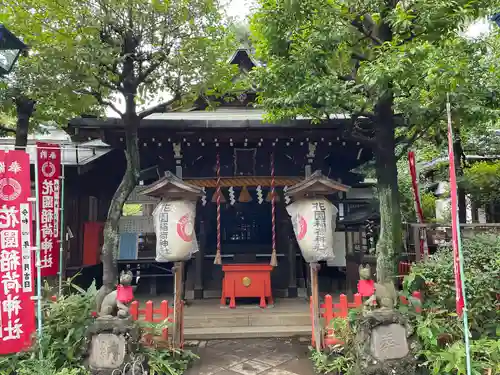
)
(42, 76)
(63, 345)
(326, 58)
(443, 350)
(482, 181)
(338, 359)
(439, 329)
(63, 342)
(435, 278)
(388, 66)
(117, 53)
(171, 362)
(132, 209)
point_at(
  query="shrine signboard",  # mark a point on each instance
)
(49, 195)
(17, 314)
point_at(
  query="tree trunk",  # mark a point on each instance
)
(24, 109)
(459, 171)
(390, 243)
(130, 178)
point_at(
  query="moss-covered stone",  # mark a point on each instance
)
(366, 361)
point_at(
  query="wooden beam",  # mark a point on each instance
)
(238, 181)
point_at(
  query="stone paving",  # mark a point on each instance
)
(251, 357)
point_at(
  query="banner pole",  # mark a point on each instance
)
(61, 231)
(37, 253)
(457, 242)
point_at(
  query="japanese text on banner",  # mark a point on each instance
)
(16, 280)
(49, 194)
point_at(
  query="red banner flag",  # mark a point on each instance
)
(17, 312)
(49, 194)
(459, 293)
(424, 250)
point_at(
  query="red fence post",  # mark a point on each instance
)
(343, 307)
(134, 310)
(148, 317)
(358, 300)
(148, 313)
(418, 295)
(163, 318)
(330, 333)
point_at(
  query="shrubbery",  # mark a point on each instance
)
(438, 328)
(435, 279)
(63, 345)
(63, 341)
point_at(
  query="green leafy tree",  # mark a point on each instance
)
(138, 52)
(482, 181)
(388, 65)
(39, 90)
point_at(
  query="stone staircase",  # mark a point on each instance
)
(288, 319)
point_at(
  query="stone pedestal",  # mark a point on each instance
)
(384, 344)
(112, 347)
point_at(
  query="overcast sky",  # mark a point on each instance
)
(239, 8)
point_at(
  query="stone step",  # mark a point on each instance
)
(220, 333)
(247, 320)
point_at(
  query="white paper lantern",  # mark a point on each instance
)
(314, 222)
(174, 223)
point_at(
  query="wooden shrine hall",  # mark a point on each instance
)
(230, 150)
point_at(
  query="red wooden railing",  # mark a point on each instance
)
(330, 310)
(153, 315)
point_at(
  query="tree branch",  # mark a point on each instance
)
(410, 141)
(152, 67)
(357, 23)
(357, 114)
(359, 57)
(6, 130)
(158, 107)
(109, 84)
(98, 96)
(351, 133)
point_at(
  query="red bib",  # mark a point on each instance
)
(124, 294)
(366, 288)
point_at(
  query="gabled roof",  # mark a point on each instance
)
(171, 186)
(242, 55)
(316, 183)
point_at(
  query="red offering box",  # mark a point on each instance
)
(247, 280)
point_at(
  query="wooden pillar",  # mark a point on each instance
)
(198, 262)
(178, 310)
(317, 329)
(308, 171)
(292, 260)
(178, 269)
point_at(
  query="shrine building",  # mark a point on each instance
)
(250, 155)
